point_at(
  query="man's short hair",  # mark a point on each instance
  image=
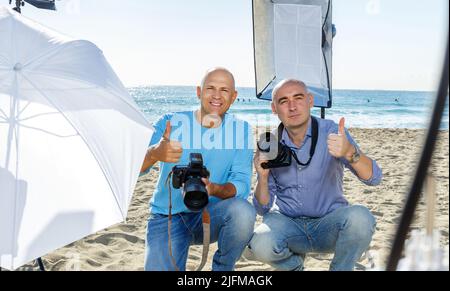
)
(287, 82)
(218, 69)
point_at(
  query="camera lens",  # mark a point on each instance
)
(196, 195)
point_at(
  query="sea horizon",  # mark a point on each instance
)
(253, 88)
(362, 108)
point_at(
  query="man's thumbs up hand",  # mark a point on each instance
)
(167, 151)
(168, 130)
(342, 126)
(338, 144)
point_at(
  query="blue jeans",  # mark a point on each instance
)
(283, 242)
(232, 225)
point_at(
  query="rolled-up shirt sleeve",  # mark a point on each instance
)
(377, 174)
(263, 209)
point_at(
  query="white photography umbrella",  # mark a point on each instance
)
(72, 141)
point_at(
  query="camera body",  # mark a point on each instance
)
(279, 155)
(195, 195)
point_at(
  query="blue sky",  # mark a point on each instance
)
(381, 44)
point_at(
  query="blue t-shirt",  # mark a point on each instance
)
(227, 153)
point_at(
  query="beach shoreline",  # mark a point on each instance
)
(121, 247)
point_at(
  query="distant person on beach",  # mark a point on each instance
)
(303, 205)
(202, 131)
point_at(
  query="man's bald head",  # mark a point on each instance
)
(288, 82)
(292, 103)
(215, 70)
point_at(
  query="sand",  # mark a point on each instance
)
(121, 247)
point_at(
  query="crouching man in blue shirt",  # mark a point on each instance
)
(303, 204)
(227, 150)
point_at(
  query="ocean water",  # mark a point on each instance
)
(361, 109)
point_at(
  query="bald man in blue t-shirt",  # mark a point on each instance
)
(227, 149)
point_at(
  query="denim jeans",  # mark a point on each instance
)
(232, 225)
(283, 242)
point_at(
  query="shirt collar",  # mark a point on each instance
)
(287, 140)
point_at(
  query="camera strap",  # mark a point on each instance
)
(206, 222)
(315, 138)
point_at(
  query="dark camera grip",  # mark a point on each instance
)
(176, 181)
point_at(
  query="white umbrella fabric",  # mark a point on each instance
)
(72, 141)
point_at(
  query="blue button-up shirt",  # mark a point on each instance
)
(315, 190)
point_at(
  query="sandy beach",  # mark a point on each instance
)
(122, 247)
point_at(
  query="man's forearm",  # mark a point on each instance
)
(223, 192)
(149, 161)
(262, 192)
(364, 167)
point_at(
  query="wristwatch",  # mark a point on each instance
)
(356, 156)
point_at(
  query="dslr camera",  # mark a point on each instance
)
(195, 195)
(279, 154)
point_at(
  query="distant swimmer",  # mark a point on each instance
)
(368, 100)
(396, 100)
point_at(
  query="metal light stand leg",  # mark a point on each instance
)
(41, 264)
